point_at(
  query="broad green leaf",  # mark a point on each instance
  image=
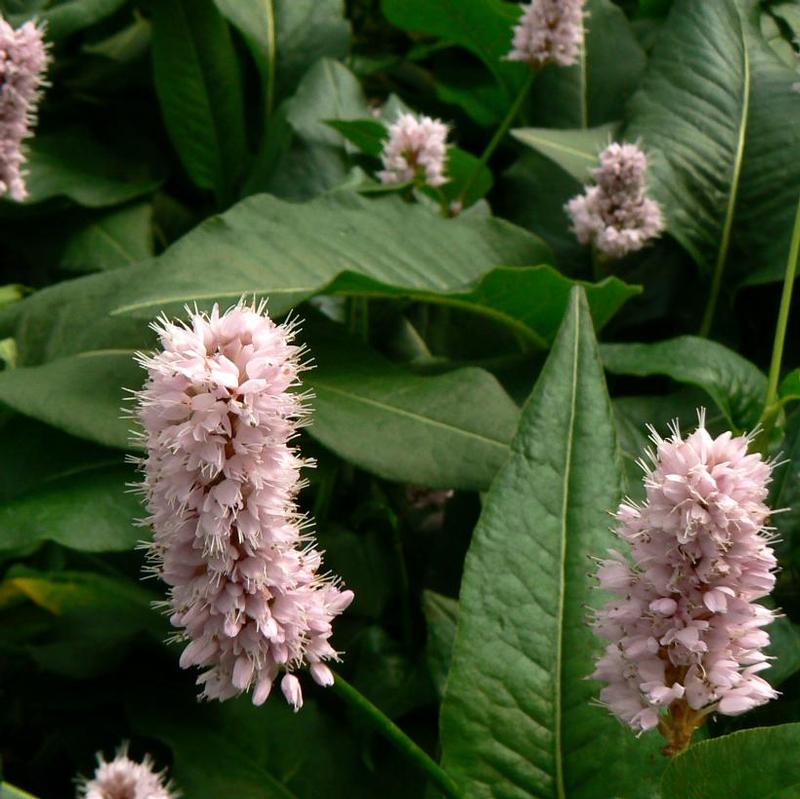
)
(484, 27)
(594, 91)
(790, 386)
(441, 617)
(284, 251)
(64, 19)
(735, 384)
(73, 164)
(94, 618)
(369, 411)
(532, 194)
(200, 91)
(726, 175)
(316, 161)
(268, 752)
(575, 151)
(517, 719)
(90, 388)
(784, 646)
(531, 301)
(111, 240)
(93, 511)
(287, 36)
(289, 252)
(757, 762)
(785, 493)
(423, 430)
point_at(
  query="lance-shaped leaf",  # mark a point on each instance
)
(284, 251)
(736, 385)
(758, 762)
(199, 87)
(517, 720)
(446, 431)
(726, 174)
(574, 150)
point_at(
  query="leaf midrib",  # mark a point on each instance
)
(560, 792)
(410, 414)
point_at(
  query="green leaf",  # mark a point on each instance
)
(484, 27)
(111, 240)
(94, 618)
(285, 251)
(92, 511)
(529, 300)
(441, 617)
(790, 386)
(8, 791)
(200, 91)
(428, 431)
(735, 384)
(317, 161)
(757, 762)
(725, 173)
(73, 164)
(594, 92)
(269, 752)
(90, 388)
(517, 718)
(785, 492)
(784, 646)
(575, 151)
(287, 36)
(308, 245)
(64, 19)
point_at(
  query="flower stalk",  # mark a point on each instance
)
(389, 730)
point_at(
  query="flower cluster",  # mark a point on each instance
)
(615, 215)
(416, 148)
(123, 778)
(23, 62)
(221, 478)
(684, 629)
(549, 32)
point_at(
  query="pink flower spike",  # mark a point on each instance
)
(23, 63)
(549, 32)
(123, 778)
(615, 215)
(701, 558)
(415, 150)
(220, 408)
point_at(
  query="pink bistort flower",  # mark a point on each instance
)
(23, 63)
(616, 215)
(549, 32)
(220, 410)
(123, 778)
(416, 149)
(684, 627)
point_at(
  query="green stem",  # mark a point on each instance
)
(386, 727)
(9, 791)
(499, 134)
(772, 406)
(783, 313)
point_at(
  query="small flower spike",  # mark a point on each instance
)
(123, 778)
(23, 63)
(684, 626)
(615, 215)
(220, 410)
(549, 32)
(415, 150)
